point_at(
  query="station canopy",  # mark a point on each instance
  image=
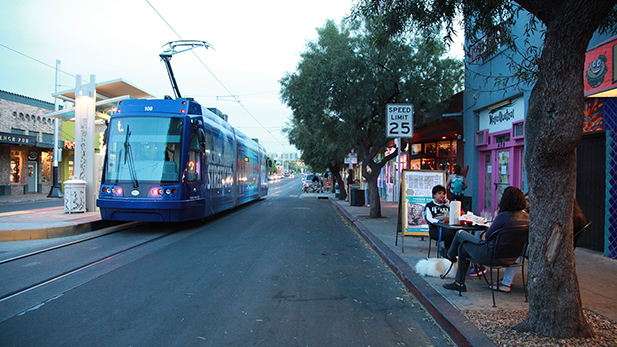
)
(107, 96)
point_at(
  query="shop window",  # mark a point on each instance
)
(443, 148)
(15, 167)
(454, 149)
(416, 148)
(518, 130)
(428, 164)
(430, 148)
(46, 161)
(416, 164)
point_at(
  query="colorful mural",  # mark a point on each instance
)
(593, 115)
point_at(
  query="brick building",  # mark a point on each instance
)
(26, 145)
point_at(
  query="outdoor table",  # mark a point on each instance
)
(473, 229)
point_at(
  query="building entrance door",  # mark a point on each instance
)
(32, 176)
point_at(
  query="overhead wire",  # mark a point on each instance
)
(231, 95)
(38, 61)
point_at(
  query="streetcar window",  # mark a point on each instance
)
(194, 164)
(144, 149)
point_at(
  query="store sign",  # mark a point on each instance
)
(17, 139)
(501, 118)
(600, 72)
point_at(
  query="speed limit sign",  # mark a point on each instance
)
(399, 120)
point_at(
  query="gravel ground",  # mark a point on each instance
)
(500, 331)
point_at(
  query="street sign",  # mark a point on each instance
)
(399, 120)
(351, 158)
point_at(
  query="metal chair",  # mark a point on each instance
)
(437, 243)
(509, 244)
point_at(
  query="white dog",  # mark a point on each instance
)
(435, 267)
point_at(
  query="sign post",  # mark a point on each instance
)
(399, 124)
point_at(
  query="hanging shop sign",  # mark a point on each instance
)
(600, 73)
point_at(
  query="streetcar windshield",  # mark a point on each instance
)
(144, 149)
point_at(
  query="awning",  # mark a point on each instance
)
(107, 96)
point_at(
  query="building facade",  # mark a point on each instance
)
(26, 145)
(494, 128)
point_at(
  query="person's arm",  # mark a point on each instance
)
(448, 181)
(429, 216)
(498, 223)
(464, 182)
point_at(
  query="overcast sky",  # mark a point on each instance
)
(255, 44)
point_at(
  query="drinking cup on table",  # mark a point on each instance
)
(446, 220)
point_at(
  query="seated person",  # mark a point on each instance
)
(435, 212)
(578, 222)
(511, 215)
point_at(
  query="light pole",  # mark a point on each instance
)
(55, 191)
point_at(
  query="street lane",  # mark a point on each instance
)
(283, 271)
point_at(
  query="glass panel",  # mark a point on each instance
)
(519, 129)
(443, 148)
(15, 167)
(416, 148)
(144, 149)
(479, 137)
(444, 165)
(504, 172)
(46, 161)
(454, 151)
(428, 164)
(415, 164)
(488, 180)
(522, 168)
(430, 148)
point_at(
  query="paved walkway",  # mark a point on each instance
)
(596, 273)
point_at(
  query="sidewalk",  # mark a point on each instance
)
(596, 273)
(44, 223)
(598, 284)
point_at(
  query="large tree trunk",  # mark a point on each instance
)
(553, 128)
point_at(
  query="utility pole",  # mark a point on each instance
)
(55, 191)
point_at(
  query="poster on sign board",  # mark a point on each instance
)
(417, 192)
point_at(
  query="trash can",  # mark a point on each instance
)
(74, 196)
(356, 196)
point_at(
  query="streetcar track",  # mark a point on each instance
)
(114, 230)
(15, 293)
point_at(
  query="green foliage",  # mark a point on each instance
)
(344, 81)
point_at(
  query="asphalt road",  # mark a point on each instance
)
(283, 271)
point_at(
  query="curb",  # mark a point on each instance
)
(454, 324)
(53, 232)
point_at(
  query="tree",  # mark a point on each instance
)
(553, 129)
(344, 82)
(319, 147)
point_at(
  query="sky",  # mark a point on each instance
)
(255, 43)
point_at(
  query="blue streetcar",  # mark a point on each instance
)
(174, 160)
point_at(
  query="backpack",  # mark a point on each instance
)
(456, 185)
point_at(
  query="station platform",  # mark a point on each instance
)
(598, 285)
(43, 223)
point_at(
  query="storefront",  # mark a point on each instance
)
(26, 164)
(596, 187)
(500, 142)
